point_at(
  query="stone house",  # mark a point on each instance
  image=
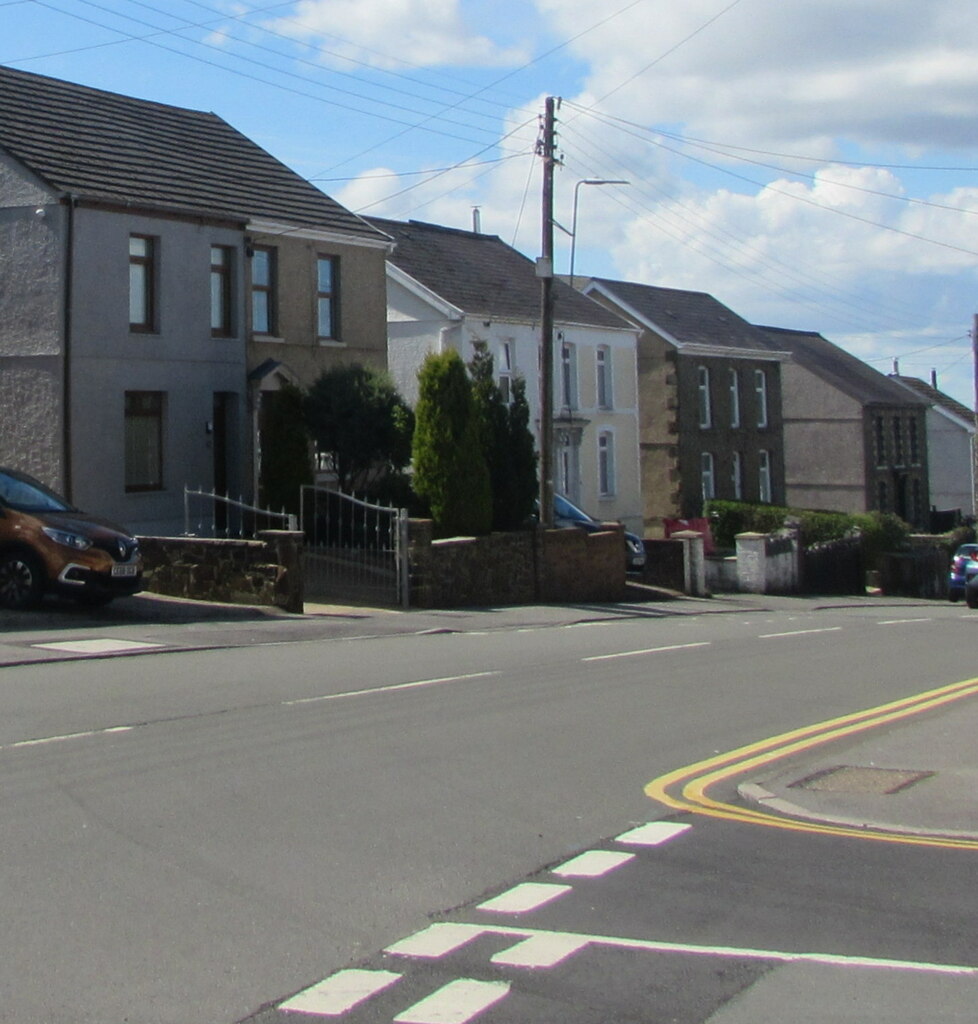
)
(855, 440)
(950, 447)
(710, 401)
(158, 272)
(453, 289)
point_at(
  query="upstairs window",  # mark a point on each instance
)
(606, 464)
(737, 476)
(142, 283)
(222, 258)
(734, 399)
(327, 279)
(760, 389)
(603, 369)
(703, 390)
(568, 375)
(897, 441)
(914, 430)
(506, 364)
(879, 435)
(263, 287)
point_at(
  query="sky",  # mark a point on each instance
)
(813, 165)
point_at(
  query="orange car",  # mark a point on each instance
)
(46, 545)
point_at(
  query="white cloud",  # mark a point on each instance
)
(391, 34)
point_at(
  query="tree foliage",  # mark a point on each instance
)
(450, 471)
(357, 417)
(286, 461)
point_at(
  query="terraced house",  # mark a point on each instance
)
(159, 274)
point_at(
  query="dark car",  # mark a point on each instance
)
(566, 513)
(47, 545)
(964, 564)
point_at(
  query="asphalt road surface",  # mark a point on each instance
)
(454, 826)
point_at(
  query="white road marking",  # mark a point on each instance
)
(455, 1003)
(340, 992)
(654, 833)
(540, 951)
(436, 940)
(647, 650)
(901, 622)
(523, 898)
(799, 632)
(103, 645)
(593, 864)
(392, 688)
(67, 736)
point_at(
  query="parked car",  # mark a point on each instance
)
(46, 545)
(566, 513)
(963, 565)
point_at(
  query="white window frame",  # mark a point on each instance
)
(703, 392)
(734, 398)
(603, 377)
(606, 464)
(568, 374)
(707, 476)
(737, 476)
(760, 389)
(506, 363)
(764, 476)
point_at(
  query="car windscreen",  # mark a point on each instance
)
(563, 509)
(27, 495)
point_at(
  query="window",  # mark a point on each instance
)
(897, 441)
(879, 433)
(764, 476)
(914, 430)
(734, 399)
(603, 356)
(703, 386)
(707, 479)
(142, 283)
(506, 364)
(327, 275)
(263, 272)
(737, 475)
(568, 376)
(144, 441)
(882, 496)
(760, 389)
(222, 262)
(606, 464)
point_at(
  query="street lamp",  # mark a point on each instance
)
(577, 192)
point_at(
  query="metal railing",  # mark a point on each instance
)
(223, 516)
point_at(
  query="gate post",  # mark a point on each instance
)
(286, 546)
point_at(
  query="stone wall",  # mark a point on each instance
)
(523, 567)
(266, 571)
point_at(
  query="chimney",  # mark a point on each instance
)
(477, 220)
(933, 379)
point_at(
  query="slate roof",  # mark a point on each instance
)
(841, 369)
(936, 397)
(116, 149)
(691, 318)
(482, 275)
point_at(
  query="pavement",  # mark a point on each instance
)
(918, 777)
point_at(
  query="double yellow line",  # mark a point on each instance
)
(686, 789)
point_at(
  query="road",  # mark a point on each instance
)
(197, 836)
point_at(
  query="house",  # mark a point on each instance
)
(709, 400)
(855, 440)
(159, 271)
(950, 448)
(454, 289)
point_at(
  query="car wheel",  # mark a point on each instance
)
(954, 597)
(21, 579)
(971, 597)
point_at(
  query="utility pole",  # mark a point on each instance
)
(974, 437)
(545, 271)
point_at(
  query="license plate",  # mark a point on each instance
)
(124, 570)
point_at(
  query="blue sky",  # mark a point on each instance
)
(812, 165)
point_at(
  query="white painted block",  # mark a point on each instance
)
(653, 834)
(435, 941)
(542, 950)
(523, 898)
(456, 1003)
(340, 992)
(593, 864)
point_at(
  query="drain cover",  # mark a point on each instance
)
(854, 779)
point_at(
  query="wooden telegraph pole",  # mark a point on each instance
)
(545, 271)
(974, 437)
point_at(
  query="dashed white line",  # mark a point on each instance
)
(799, 632)
(340, 992)
(436, 940)
(900, 622)
(653, 833)
(100, 645)
(392, 688)
(67, 736)
(523, 898)
(540, 951)
(647, 650)
(593, 864)
(455, 1003)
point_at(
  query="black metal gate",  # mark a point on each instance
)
(834, 567)
(355, 552)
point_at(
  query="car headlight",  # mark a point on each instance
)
(70, 540)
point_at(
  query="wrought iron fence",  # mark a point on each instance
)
(218, 515)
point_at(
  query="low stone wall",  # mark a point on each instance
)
(550, 566)
(266, 571)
